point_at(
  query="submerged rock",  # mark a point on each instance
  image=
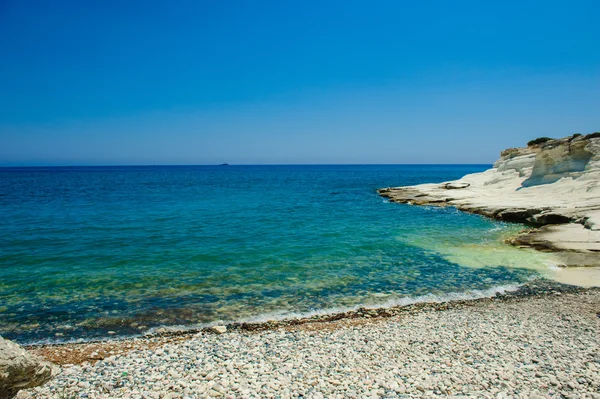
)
(20, 370)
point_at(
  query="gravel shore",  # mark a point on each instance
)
(523, 347)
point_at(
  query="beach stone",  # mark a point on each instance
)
(455, 185)
(20, 370)
(218, 329)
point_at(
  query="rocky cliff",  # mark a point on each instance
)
(552, 185)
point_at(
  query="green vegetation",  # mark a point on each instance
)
(539, 140)
(542, 140)
(592, 135)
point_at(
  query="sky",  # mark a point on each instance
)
(292, 82)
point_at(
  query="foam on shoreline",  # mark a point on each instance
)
(269, 321)
(269, 318)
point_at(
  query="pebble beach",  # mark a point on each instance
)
(509, 346)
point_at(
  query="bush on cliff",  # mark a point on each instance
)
(592, 135)
(539, 140)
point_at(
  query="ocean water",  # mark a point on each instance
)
(112, 251)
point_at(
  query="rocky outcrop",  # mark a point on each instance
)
(557, 159)
(552, 183)
(20, 370)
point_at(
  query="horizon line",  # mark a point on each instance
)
(229, 165)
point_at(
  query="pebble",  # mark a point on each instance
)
(219, 329)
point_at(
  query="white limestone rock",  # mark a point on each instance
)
(20, 370)
(219, 329)
(555, 182)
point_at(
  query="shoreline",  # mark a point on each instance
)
(276, 320)
(272, 320)
(536, 341)
(555, 238)
(77, 352)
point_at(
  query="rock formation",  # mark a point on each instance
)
(20, 370)
(553, 185)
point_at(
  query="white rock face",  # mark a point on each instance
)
(20, 369)
(553, 183)
(522, 164)
(568, 157)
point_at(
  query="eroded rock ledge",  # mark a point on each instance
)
(551, 185)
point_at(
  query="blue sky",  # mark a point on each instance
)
(262, 82)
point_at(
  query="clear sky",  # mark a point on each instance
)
(263, 82)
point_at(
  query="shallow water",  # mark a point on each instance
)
(88, 252)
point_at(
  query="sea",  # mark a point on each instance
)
(98, 252)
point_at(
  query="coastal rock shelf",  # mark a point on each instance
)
(551, 185)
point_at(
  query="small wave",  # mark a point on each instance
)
(555, 266)
(290, 315)
(404, 301)
(80, 340)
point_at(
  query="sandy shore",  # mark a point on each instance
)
(527, 344)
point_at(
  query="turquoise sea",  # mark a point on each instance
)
(113, 251)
